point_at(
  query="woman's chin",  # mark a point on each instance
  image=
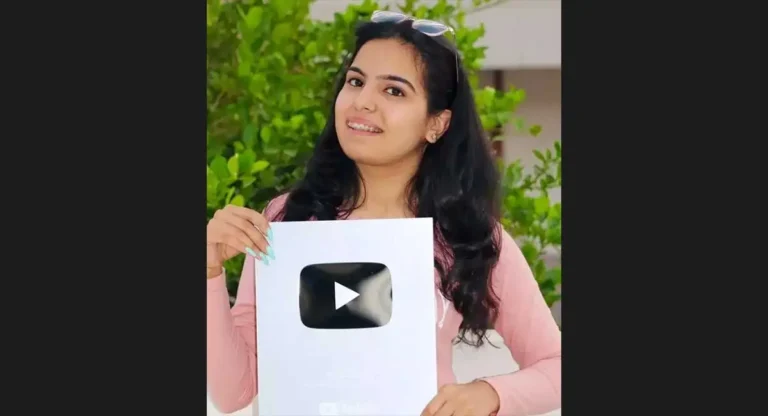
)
(361, 153)
(365, 158)
(371, 154)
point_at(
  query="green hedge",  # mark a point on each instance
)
(269, 66)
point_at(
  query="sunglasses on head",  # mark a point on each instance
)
(427, 27)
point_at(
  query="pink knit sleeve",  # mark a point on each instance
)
(530, 332)
(231, 354)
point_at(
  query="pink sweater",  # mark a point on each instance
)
(525, 323)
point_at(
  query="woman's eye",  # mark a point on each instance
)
(355, 82)
(397, 92)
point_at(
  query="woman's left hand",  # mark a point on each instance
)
(477, 398)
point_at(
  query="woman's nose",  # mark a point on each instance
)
(365, 100)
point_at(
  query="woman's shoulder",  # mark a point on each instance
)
(512, 277)
(511, 263)
(504, 238)
(274, 207)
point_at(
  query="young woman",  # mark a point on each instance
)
(404, 140)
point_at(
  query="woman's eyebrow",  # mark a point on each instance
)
(387, 77)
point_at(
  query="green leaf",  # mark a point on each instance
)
(539, 270)
(278, 123)
(258, 84)
(232, 166)
(554, 236)
(551, 298)
(439, 9)
(219, 167)
(311, 49)
(268, 178)
(408, 6)
(541, 205)
(555, 211)
(212, 14)
(259, 166)
(535, 130)
(289, 152)
(248, 180)
(246, 160)
(266, 134)
(238, 200)
(282, 32)
(487, 121)
(283, 7)
(297, 121)
(244, 68)
(249, 135)
(319, 118)
(254, 17)
(539, 156)
(530, 252)
(555, 275)
(280, 61)
(487, 96)
(212, 181)
(519, 95)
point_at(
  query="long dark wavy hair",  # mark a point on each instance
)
(456, 183)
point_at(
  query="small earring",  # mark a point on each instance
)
(433, 138)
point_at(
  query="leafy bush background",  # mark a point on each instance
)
(270, 67)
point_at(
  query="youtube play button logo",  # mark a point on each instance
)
(345, 295)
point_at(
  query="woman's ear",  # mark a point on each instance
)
(438, 126)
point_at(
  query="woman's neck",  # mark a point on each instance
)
(384, 192)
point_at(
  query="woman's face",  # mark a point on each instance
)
(381, 112)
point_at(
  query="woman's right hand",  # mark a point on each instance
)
(234, 230)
